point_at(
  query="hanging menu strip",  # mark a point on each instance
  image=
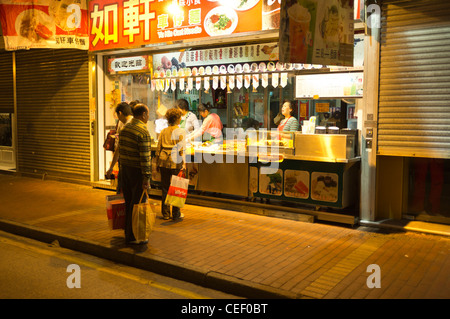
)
(217, 56)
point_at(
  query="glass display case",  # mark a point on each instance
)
(272, 141)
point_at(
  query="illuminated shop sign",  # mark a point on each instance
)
(332, 85)
(125, 23)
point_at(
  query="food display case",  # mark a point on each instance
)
(325, 147)
(322, 171)
(271, 142)
(316, 169)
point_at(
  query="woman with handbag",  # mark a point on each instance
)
(170, 158)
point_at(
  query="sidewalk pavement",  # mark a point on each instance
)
(244, 254)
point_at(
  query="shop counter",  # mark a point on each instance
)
(316, 179)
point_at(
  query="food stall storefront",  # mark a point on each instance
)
(227, 57)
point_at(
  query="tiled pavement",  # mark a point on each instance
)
(246, 254)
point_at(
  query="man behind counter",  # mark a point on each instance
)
(211, 128)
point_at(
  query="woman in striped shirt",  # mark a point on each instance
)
(289, 123)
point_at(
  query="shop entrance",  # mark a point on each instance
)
(7, 152)
(429, 189)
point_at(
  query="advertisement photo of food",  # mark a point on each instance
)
(271, 184)
(35, 25)
(324, 186)
(296, 184)
(220, 21)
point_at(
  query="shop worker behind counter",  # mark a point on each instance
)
(135, 163)
(211, 128)
(189, 120)
(289, 123)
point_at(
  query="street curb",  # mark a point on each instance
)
(406, 225)
(159, 265)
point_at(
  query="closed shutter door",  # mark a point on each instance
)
(53, 113)
(414, 92)
(6, 82)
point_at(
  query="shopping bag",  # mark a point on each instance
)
(177, 193)
(115, 211)
(143, 219)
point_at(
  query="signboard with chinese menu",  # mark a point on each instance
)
(53, 24)
(331, 85)
(235, 66)
(317, 32)
(218, 57)
(122, 23)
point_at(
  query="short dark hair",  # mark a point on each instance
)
(202, 108)
(182, 104)
(172, 115)
(134, 103)
(139, 109)
(124, 107)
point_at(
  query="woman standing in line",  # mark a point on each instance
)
(170, 158)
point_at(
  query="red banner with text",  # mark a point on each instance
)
(53, 24)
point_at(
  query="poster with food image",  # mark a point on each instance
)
(44, 24)
(324, 186)
(271, 14)
(296, 184)
(317, 32)
(221, 21)
(271, 184)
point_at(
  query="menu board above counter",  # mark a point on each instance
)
(330, 85)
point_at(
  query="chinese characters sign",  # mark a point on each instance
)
(121, 65)
(128, 23)
(317, 32)
(44, 24)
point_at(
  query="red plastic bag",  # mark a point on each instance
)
(115, 211)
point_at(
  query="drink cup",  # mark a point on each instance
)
(299, 19)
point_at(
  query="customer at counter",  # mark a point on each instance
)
(170, 162)
(125, 115)
(211, 128)
(289, 123)
(189, 120)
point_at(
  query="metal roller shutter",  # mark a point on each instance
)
(6, 82)
(414, 92)
(53, 113)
